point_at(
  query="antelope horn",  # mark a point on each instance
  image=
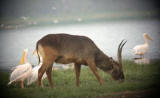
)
(120, 51)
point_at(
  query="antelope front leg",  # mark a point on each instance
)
(93, 67)
(77, 72)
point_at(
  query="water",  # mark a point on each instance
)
(106, 35)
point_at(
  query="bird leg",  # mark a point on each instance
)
(141, 56)
(21, 84)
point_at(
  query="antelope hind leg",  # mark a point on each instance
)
(40, 74)
(48, 72)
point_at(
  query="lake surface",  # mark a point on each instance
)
(106, 35)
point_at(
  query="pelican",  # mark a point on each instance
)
(142, 49)
(34, 75)
(22, 71)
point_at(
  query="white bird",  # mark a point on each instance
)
(34, 74)
(22, 71)
(142, 49)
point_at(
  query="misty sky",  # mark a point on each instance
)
(17, 8)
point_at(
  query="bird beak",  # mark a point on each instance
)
(148, 38)
(22, 58)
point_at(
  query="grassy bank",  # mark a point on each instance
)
(137, 78)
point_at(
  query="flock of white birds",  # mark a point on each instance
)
(24, 70)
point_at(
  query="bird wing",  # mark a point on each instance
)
(20, 71)
(140, 49)
(34, 75)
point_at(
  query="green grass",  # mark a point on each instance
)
(137, 77)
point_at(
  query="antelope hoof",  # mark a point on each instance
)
(101, 82)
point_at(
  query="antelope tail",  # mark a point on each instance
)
(37, 53)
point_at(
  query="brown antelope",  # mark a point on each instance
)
(65, 48)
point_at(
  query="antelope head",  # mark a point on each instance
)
(117, 71)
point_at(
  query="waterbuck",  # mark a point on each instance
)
(80, 50)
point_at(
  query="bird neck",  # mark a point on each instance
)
(146, 41)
